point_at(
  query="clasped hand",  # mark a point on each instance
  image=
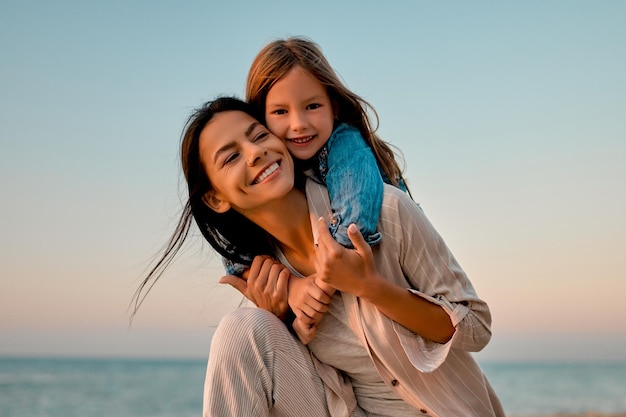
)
(270, 285)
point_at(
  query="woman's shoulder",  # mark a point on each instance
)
(400, 207)
(394, 196)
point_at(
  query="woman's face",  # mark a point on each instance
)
(246, 164)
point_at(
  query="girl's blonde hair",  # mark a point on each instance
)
(279, 57)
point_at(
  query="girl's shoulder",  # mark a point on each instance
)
(345, 128)
(347, 136)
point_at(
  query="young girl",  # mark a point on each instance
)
(325, 126)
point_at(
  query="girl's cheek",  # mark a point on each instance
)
(275, 128)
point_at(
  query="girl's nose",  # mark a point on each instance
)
(298, 121)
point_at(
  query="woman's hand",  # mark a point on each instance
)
(265, 284)
(308, 301)
(354, 271)
(349, 270)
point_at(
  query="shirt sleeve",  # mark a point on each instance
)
(354, 184)
(434, 274)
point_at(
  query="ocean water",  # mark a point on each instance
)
(101, 387)
(531, 389)
(64, 387)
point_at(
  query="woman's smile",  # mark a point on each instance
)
(240, 155)
(267, 172)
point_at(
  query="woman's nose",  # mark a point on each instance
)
(254, 153)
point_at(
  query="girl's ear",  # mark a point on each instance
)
(213, 200)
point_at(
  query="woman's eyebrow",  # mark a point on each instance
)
(251, 127)
(233, 143)
(223, 149)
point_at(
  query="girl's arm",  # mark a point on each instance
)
(354, 184)
(270, 285)
(309, 302)
(309, 298)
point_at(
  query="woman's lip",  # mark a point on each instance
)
(272, 168)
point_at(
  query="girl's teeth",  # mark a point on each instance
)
(302, 140)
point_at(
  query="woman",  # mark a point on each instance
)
(396, 337)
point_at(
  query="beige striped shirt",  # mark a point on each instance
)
(438, 379)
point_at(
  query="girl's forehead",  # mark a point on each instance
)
(297, 82)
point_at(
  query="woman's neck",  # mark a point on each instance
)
(288, 221)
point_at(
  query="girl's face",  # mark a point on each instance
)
(246, 164)
(299, 111)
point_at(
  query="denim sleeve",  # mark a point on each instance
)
(354, 184)
(233, 268)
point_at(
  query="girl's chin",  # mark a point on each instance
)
(302, 154)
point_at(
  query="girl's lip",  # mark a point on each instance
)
(303, 140)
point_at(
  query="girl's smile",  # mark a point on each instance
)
(299, 111)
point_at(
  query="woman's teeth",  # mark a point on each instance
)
(266, 173)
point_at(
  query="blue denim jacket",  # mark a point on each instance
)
(348, 168)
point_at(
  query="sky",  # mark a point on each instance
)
(510, 117)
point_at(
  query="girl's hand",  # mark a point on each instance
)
(304, 331)
(348, 270)
(265, 284)
(308, 301)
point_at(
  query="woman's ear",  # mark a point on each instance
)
(213, 200)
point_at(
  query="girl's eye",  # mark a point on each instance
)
(314, 106)
(279, 112)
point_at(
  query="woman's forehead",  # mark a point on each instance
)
(227, 126)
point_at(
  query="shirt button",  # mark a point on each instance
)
(395, 382)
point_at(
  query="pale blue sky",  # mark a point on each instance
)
(510, 117)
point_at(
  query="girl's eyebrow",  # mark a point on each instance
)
(316, 97)
(233, 143)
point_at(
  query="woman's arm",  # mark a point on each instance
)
(355, 271)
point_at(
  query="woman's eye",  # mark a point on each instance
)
(261, 135)
(230, 158)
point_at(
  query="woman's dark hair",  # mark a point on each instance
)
(232, 235)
